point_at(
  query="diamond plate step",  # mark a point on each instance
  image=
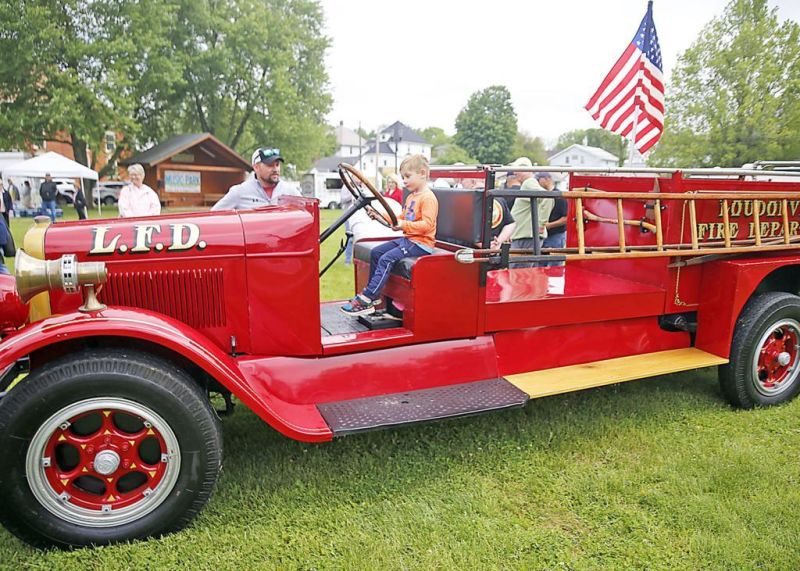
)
(357, 415)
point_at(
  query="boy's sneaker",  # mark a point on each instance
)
(359, 305)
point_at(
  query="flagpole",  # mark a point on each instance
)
(637, 97)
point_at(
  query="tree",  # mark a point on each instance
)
(58, 81)
(449, 154)
(531, 147)
(487, 127)
(601, 138)
(735, 93)
(435, 136)
(251, 72)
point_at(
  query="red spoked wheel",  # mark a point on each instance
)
(775, 365)
(764, 367)
(105, 445)
(103, 462)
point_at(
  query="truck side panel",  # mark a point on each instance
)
(726, 286)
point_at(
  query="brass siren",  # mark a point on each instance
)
(34, 276)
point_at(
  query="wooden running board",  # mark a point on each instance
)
(577, 377)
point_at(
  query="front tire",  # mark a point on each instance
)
(105, 446)
(764, 365)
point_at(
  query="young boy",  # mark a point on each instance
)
(418, 223)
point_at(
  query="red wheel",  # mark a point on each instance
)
(775, 363)
(103, 461)
(105, 446)
(765, 353)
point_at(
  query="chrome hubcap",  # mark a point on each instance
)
(106, 462)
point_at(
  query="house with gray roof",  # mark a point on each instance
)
(583, 156)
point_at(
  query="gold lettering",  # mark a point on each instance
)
(736, 208)
(144, 237)
(99, 247)
(773, 208)
(178, 243)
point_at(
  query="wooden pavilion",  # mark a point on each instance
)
(191, 170)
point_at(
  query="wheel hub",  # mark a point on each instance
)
(776, 363)
(106, 462)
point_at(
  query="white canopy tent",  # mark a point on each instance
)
(53, 164)
(49, 163)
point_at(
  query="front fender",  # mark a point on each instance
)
(301, 422)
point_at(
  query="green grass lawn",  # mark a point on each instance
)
(656, 474)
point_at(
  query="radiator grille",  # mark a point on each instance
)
(194, 297)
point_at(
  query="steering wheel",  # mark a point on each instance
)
(355, 181)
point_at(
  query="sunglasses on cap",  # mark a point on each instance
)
(265, 155)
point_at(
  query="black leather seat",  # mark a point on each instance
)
(459, 223)
(363, 250)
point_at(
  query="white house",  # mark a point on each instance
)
(348, 142)
(583, 156)
(396, 142)
(405, 141)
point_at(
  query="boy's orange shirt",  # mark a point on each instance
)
(419, 217)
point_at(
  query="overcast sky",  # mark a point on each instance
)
(418, 61)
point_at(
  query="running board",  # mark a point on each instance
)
(358, 415)
(588, 375)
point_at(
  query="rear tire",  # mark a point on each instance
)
(109, 201)
(764, 365)
(105, 446)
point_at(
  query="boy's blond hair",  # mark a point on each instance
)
(415, 163)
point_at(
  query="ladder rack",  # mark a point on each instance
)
(696, 248)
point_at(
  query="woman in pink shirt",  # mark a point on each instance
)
(138, 199)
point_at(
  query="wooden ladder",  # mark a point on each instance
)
(695, 248)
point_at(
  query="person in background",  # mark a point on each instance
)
(14, 190)
(27, 195)
(8, 204)
(137, 199)
(6, 245)
(79, 203)
(394, 188)
(345, 202)
(524, 234)
(557, 223)
(264, 189)
(48, 191)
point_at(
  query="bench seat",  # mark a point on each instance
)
(363, 250)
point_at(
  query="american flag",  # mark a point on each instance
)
(632, 94)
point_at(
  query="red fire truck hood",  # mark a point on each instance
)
(134, 240)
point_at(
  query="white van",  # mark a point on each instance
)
(324, 186)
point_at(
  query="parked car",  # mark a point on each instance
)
(66, 190)
(108, 191)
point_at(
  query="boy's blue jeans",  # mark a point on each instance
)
(383, 258)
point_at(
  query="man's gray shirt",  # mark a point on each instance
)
(250, 194)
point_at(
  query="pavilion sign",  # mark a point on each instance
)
(182, 181)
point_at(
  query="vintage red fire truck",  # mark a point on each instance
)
(125, 327)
